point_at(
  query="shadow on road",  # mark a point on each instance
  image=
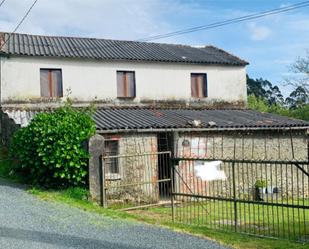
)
(60, 239)
(11, 183)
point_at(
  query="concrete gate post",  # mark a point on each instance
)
(96, 147)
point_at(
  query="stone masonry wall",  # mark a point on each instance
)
(286, 177)
(138, 167)
(8, 128)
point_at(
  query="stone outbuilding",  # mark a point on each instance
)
(138, 143)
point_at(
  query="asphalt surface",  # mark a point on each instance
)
(28, 222)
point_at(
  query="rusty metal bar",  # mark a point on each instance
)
(242, 201)
(140, 183)
(241, 160)
(301, 169)
(140, 154)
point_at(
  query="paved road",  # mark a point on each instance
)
(27, 222)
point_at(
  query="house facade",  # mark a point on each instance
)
(153, 101)
(38, 69)
(100, 81)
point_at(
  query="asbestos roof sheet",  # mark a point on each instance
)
(126, 119)
(107, 119)
(104, 49)
(146, 118)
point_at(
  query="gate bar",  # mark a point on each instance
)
(140, 154)
(139, 183)
(177, 159)
(243, 201)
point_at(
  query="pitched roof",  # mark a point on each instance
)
(103, 49)
(127, 119)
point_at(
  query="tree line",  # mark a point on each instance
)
(266, 97)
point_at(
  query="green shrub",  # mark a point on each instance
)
(50, 150)
(260, 184)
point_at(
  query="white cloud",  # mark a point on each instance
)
(122, 19)
(283, 5)
(258, 32)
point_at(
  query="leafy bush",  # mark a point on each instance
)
(260, 184)
(50, 150)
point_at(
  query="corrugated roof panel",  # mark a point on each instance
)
(143, 118)
(74, 47)
(149, 118)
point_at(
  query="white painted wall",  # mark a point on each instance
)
(88, 80)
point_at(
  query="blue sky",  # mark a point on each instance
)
(270, 44)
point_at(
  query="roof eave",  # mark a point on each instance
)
(127, 60)
(149, 130)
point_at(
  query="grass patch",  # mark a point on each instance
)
(254, 218)
(77, 197)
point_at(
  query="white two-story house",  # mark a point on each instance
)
(37, 69)
(150, 97)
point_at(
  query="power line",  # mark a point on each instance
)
(229, 21)
(2, 2)
(20, 23)
(213, 25)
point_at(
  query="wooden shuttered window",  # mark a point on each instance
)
(51, 83)
(126, 84)
(111, 149)
(198, 85)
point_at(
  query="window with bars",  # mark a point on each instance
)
(51, 83)
(198, 85)
(126, 84)
(111, 149)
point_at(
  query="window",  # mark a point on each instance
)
(125, 84)
(198, 85)
(51, 83)
(111, 149)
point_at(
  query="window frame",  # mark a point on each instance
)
(109, 174)
(134, 82)
(205, 92)
(50, 83)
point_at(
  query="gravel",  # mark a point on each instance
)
(28, 222)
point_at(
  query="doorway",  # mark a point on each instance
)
(165, 144)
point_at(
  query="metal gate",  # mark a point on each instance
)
(264, 198)
(136, 180)
(257, 192)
